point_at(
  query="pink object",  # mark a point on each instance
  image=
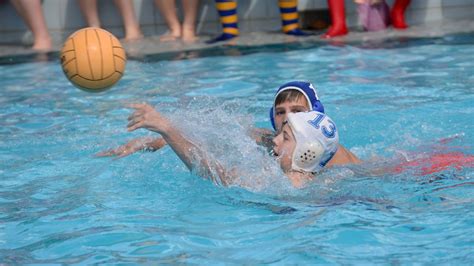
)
(374, 17)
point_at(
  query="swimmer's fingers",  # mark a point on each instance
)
(140, 110)
(136, 121)
(109, 153)
(144, 116)
(106, 153)
(135, 117)
(132, 122)
(119, 152)
(115, 156)
(124, 153)
(135, 114)
(135, 125)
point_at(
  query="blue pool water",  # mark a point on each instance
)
(61, 204)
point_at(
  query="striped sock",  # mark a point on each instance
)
(289, 15)
(228, 16)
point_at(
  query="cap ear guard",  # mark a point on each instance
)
(317, 140)
(307, 156)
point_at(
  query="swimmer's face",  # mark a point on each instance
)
(285, 144)
(283, 109)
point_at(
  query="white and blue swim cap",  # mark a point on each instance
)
(316, 138)
(309, 92)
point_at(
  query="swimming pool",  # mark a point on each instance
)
(60, 204)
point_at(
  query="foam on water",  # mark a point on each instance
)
(231, 144)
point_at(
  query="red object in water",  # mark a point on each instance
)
(338, 19)
(398, 14)
(437, 163)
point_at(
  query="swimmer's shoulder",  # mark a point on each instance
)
(344, 156)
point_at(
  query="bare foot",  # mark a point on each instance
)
(190, 39)
(133, 35)
(189, 35)
(169, 37)
(173, 33)
(133, 38)
(42, 45)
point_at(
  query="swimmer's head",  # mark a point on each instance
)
(312, 139)
(301, 95)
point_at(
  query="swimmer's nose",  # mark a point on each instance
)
(274, 141)
(272, 151)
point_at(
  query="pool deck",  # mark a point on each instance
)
(151, 44)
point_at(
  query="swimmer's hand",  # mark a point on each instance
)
(146, 143)
(145, 116)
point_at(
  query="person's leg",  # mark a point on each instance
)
(338, 19)
(228, 16)
(32, 13)
(190, 8)
(132, 27)
(89, 12)
(168, 11)
(289, 17)
(398, 14)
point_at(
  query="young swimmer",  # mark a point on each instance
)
(299, 96)
(306, 143)
(288, 101)
(292, 97)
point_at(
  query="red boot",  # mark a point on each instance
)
(398, 14)
(338, 19)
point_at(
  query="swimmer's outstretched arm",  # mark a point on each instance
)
(262, 136)
(134, 145)
(145, 116)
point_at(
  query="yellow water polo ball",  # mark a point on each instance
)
(93, 59)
